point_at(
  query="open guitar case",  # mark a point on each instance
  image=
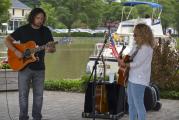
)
(116, 102)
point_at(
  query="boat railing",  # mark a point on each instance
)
(3, 55)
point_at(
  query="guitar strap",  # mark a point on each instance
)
(134, 54)
(131, 58)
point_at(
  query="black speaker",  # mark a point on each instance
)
(116, 98)
(88, 99)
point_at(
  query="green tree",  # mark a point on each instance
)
(69, 12)
(176, 14)
(93, 10)
(4, 6)
(167, 16)
(50, 12)
(112, 12)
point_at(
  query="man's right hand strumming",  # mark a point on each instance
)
(9, 43)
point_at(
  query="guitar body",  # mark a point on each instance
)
(101, 99)
(123, 72)
(16, 63)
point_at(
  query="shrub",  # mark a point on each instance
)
(98, 35)
(81, 34)
(165, 67)
(63, 85)
(4, 65)
(78, 34)
(81, 85)
(60, 34)
(169, 94)
(69, 85)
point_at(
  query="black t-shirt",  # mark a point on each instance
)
(40, 36)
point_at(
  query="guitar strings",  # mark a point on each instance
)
(7, 102)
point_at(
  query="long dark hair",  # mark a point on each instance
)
(34, 12)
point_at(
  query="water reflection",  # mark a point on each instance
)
(70, 60)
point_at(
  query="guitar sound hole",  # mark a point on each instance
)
(27, 53)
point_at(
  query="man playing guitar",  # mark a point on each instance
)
(34, 72)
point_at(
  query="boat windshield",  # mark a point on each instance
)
(127, 28)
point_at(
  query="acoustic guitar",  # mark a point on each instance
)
(123, 72)
(28, 49)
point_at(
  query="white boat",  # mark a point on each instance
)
(124, 36)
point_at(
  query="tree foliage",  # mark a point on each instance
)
(165, 66)
(51, 14)
(91, 13)
(94, 10)
(176, 16)
(167, 16)
(112, 12)
(71, 11)
(4, 6)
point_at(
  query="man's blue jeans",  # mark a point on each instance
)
(27, 76)
(136, 101)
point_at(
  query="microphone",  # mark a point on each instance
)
(106, 36)
(120, 53)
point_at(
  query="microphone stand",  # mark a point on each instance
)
(95, 76)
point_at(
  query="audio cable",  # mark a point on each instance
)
(7, 102)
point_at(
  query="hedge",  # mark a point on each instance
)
(78, 34)
(80, 86)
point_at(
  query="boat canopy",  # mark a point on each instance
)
(152, 4)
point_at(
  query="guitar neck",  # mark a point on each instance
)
(40, 48)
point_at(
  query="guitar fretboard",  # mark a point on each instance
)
(43, 47)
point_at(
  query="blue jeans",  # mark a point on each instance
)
(136, 101)
(25, 77)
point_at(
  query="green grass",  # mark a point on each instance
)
(169, 94)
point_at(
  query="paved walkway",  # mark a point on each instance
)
(69, 106)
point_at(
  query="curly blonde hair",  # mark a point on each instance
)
(143, 35)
